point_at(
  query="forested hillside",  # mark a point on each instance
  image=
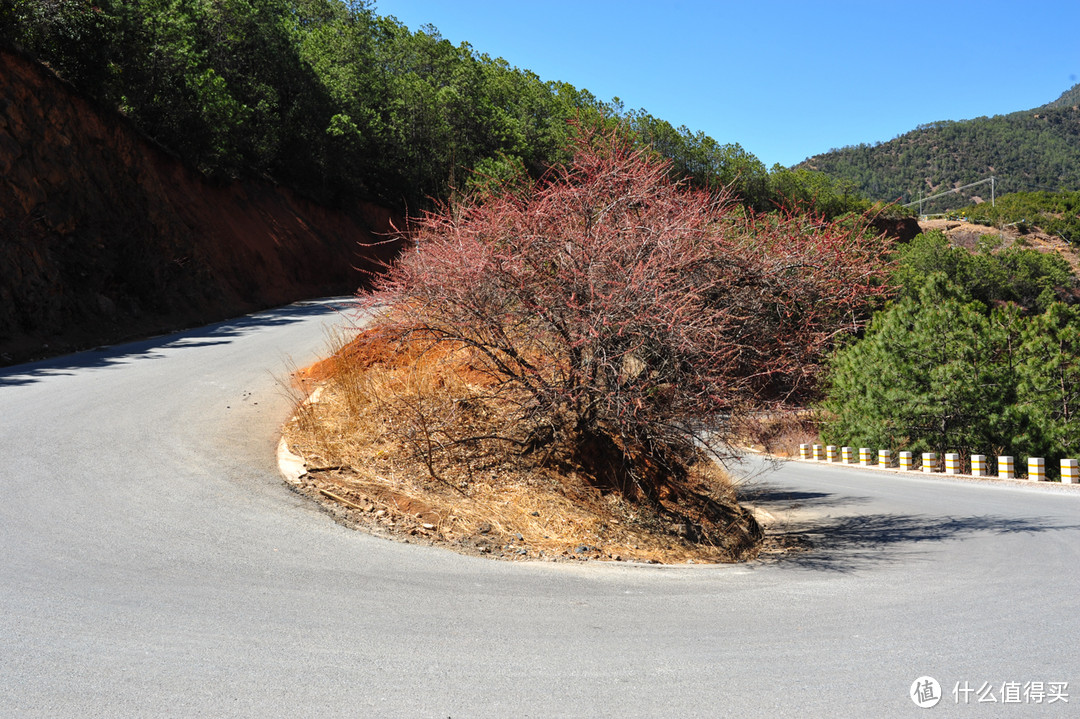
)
(104, 236)
(1035, 150)
(340, 104)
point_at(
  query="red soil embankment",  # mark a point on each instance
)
(104, 235)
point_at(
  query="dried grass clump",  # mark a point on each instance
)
(413, 438)
(781, 433)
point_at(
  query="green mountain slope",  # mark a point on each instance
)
(335, 101)
(1069, 98)
(342, 105)
(1025, 151)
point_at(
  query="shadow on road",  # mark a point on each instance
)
(845, 544)
(773, 498)
(152, 348)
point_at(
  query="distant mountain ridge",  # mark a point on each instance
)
(1069, 98)
(1030, 150)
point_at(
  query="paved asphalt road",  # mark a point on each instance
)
(153, 564)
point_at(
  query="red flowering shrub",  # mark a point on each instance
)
(631, 320)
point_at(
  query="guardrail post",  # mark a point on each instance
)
(884, 458)
(929, 461)
(830, 452)
(804, 451)
(978, 465)
(818, 454)
(952, 463)
(1005, 467)
(864, 456)
(905, 461)
(1070, 471)
(845, 452)
(1036, 469)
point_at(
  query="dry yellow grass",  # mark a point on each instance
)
(389, 437)
(780, 433)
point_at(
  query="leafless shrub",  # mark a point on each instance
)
(632, 321)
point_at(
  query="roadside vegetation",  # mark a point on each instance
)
(604, 332)
(1055, 213)
(979, 353)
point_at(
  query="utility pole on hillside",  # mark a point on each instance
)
(922, 199)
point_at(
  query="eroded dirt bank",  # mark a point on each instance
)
(105, 236)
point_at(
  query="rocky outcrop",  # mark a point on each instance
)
(903, 229)
(104, 235)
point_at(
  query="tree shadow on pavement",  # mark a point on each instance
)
(154, 347)
(846, 544)
(773, 498)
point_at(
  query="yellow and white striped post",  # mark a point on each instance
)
(929, 461)
(978, 465)
(952, 463)
(845, 452)
(905, 461)
(864, 456)
(830, 452)
(819, 453)
(1036, 469)
(1005, 467)
(884, 458)
(804, 451)
(1070, 471)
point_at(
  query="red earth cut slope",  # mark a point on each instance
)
(106, 236)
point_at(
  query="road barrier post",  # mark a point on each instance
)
(1070, 471)
(952, 463)
(818, 454)
(845, 452)
(864, 456)
(929, 461)
(1005, 467)
(978, 465)
(884, 458)
(905, 461)
(1036, 469)
(804, 451)
(830, 452)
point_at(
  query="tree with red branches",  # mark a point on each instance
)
(634, 320)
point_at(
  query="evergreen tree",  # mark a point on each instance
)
(976, 355)
(932, 374)
(1049, 382)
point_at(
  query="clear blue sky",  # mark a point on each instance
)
(785, 80)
